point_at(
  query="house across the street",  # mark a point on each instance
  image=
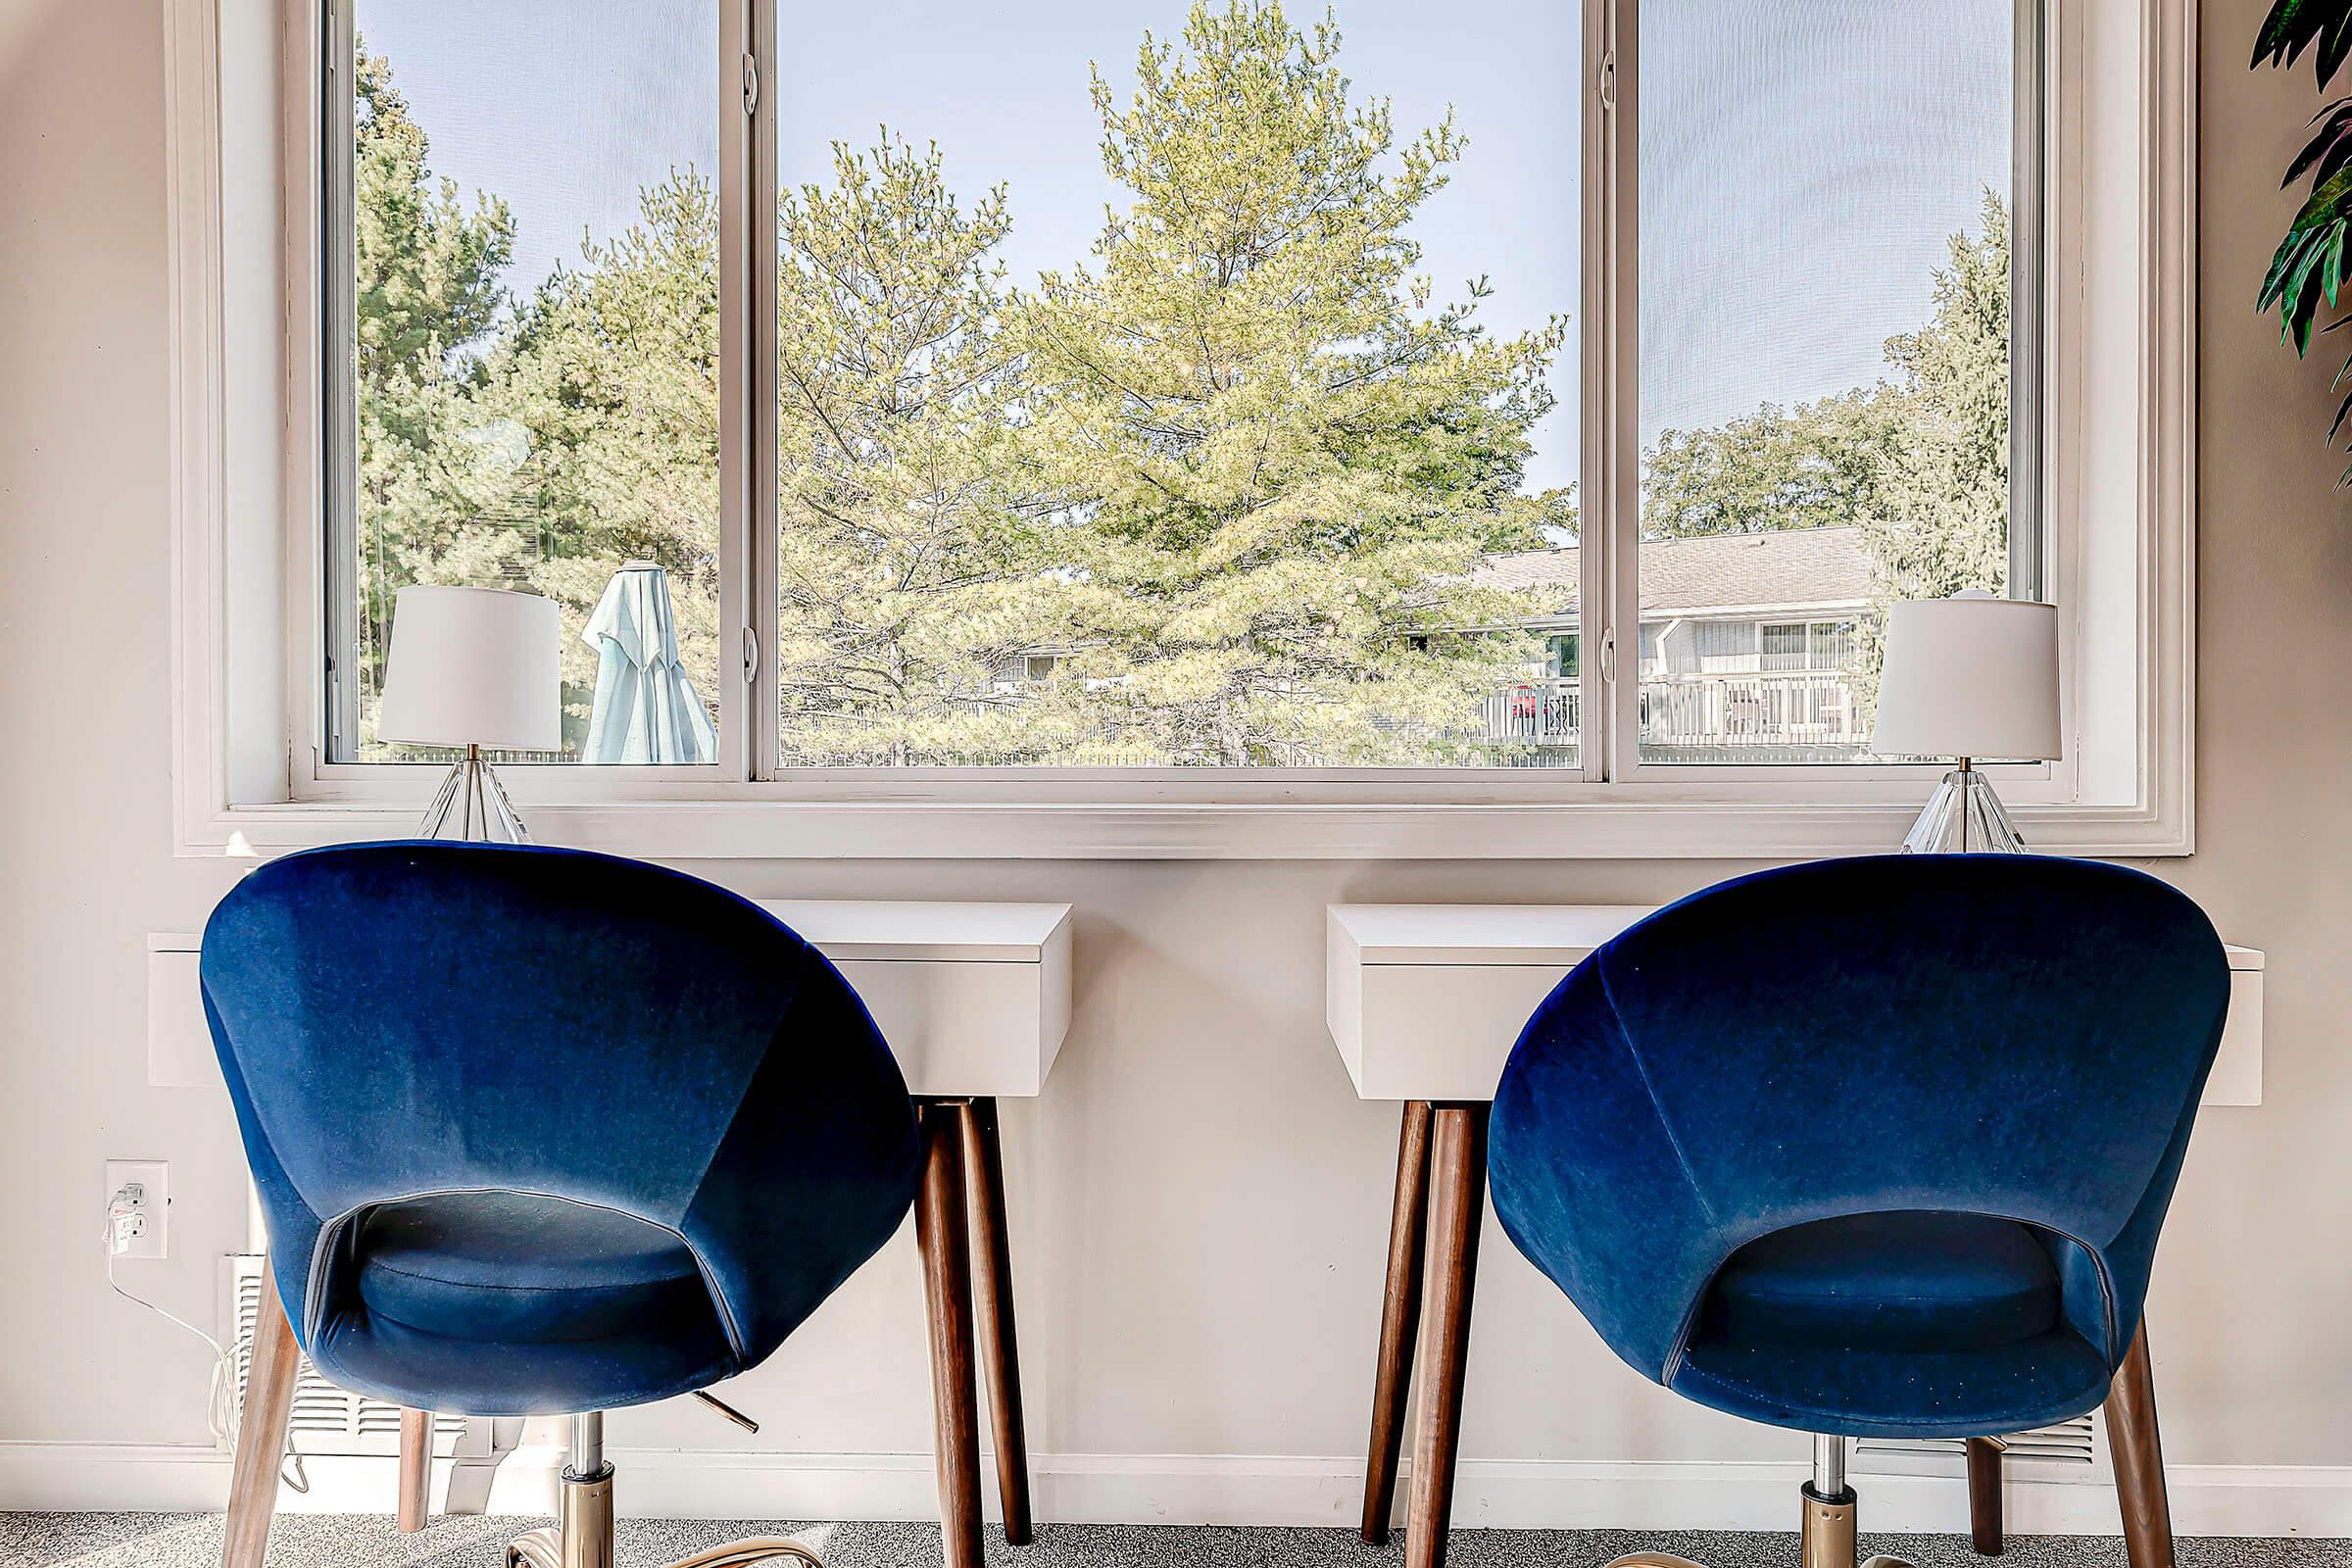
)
(1746, 642)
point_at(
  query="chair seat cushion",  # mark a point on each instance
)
(522, 1267)
(2031, 1383)
(498, 1303)
(1904, 1281)
(1910, 1323)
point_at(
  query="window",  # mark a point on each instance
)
(1226, 411)
(1792, 646)
(278, 624)
(1827, 331)
(528, 350)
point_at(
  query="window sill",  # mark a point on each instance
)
(779, 829)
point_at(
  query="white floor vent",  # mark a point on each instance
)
(2071, 1450)
(326, 1420)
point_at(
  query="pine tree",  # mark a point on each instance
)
(1281, 459)
(912, 555)
(1942, 524)
(602, 398)
(428, 295)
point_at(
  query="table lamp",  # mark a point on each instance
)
(1972, 677)
(472, 667)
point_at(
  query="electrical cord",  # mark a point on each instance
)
(220, 1412)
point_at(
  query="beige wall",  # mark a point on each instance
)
(1201, 1201)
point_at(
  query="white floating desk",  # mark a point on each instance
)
(1425, 1001)
(973, 998)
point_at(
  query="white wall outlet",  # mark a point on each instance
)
(138, 1208)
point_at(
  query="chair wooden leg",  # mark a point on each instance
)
(942, 1226)
(415, 1468)
(1985, 1497)
(2139, 1453)
(984, 1173)
(1457, 1209)
(1400, 1320)
(262, 1432)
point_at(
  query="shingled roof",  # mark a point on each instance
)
(1811, 568)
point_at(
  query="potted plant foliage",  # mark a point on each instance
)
(2309, 266)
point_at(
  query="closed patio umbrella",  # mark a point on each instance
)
(646, 710)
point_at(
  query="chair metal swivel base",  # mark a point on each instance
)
(1829, 1537)
(582, 1535)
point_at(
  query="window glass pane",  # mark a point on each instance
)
(1830, 645)
(1824, 351)
(536, 371)
(1784, 647)
(1165, 387)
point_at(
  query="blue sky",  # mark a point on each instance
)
(1802, 159)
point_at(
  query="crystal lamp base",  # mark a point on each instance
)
(1964, 817)
(472, 805)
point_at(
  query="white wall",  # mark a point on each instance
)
(1200, 1204)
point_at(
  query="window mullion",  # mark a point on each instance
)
(761, 513)
(2028, 292)
(739, 412)
(1612, 390)
(336, 735)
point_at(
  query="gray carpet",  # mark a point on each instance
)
(327, 1540)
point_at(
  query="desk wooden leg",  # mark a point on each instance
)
(2140, 1460)
(262, 1432)
(416, 1467)
(1457, 1209)
(942, 1230)
(1400, 1320)
(1985, 1497)
(984, 1174)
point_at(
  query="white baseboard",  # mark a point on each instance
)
(1197, 1489)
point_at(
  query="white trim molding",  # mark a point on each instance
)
(2120, 437)
(2244, 1500)
(192, 188)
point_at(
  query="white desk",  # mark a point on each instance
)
(1425, 1001)
(973, 998)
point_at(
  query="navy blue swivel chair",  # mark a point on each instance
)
(538, 1130)
(1876, 1148)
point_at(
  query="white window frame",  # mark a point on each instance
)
(2118, 391)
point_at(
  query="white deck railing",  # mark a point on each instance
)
(1799, 708)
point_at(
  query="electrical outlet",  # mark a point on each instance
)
(138, 1208)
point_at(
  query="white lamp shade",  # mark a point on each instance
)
(1971, 676)
(472, 667)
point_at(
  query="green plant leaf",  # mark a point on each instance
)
(2293, 25)
(2342, 410)
(2290, 253)
(2333, 123)
(2303, 299)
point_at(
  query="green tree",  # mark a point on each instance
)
(913, 557)
(601, 402)
(1919, 462)
(1818, 466)
(428, 294)
(1281, 459)
(1941, 522)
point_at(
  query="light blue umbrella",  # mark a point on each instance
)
(646, 710)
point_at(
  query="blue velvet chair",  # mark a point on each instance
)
(1874, 1148)
(539, 1131)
